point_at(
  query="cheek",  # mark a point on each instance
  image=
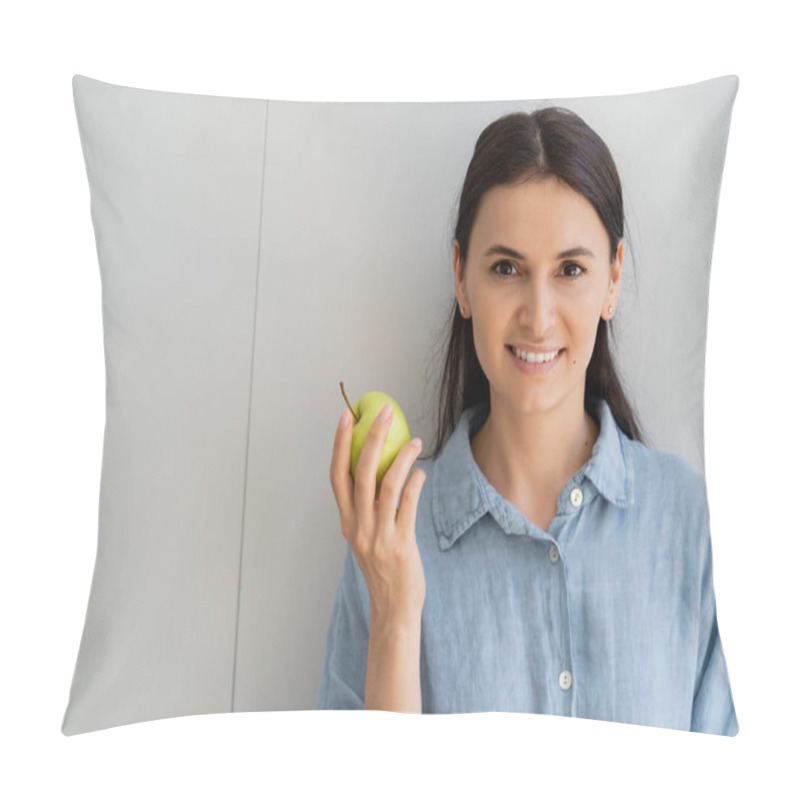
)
(584, 333)
(481, 337)
(486, 319)
(590, 340)
(487, 341)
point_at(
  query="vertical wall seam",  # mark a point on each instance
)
(249, 412)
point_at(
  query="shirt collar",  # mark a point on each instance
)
(462, 495)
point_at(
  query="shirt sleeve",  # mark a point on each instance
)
(344, 670)
(712, 709)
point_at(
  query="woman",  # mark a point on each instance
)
(554, 564)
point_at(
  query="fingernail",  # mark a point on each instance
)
(416, 442)
(386, 412)
(345, 419)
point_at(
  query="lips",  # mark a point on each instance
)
(533, 368)
(535, 348)
(537, 351)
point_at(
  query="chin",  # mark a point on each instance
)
(531, 401)
(543, 399)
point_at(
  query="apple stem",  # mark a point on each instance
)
(341, 386)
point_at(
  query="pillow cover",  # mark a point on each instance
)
(255, 253)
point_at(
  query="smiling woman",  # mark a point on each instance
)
(546, 299)
(565, 566)
(544, 178)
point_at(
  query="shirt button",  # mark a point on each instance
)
(576, 497)
(553, 553)
(565, 679)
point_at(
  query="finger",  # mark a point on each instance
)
(392, 483)
(367, 467)
(407, 513)
(341, 481)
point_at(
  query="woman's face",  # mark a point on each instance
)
(537, 275)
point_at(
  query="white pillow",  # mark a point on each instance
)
(254, 253)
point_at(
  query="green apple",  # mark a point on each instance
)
(365, 412)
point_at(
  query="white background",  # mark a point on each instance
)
(53, 400)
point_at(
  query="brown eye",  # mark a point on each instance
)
(573, 264)
(499, 263)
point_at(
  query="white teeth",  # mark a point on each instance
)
(534, 358)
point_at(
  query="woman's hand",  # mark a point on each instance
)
(381, 535)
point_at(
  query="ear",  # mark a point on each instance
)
(458, 276)
(616, 274)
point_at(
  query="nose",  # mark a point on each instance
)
(537, 307)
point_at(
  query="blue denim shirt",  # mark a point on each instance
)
(609, 614)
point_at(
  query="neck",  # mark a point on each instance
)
(528, 456)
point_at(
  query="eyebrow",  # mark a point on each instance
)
(501, 249)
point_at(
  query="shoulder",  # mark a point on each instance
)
(667, 481)
(651, 464)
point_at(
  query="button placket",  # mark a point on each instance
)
(558, 537)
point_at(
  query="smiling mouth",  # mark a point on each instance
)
(535, 358)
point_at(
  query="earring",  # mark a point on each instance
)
(610, 311)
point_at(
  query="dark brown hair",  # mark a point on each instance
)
(549, 142)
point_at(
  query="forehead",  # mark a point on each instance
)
(537, 213)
